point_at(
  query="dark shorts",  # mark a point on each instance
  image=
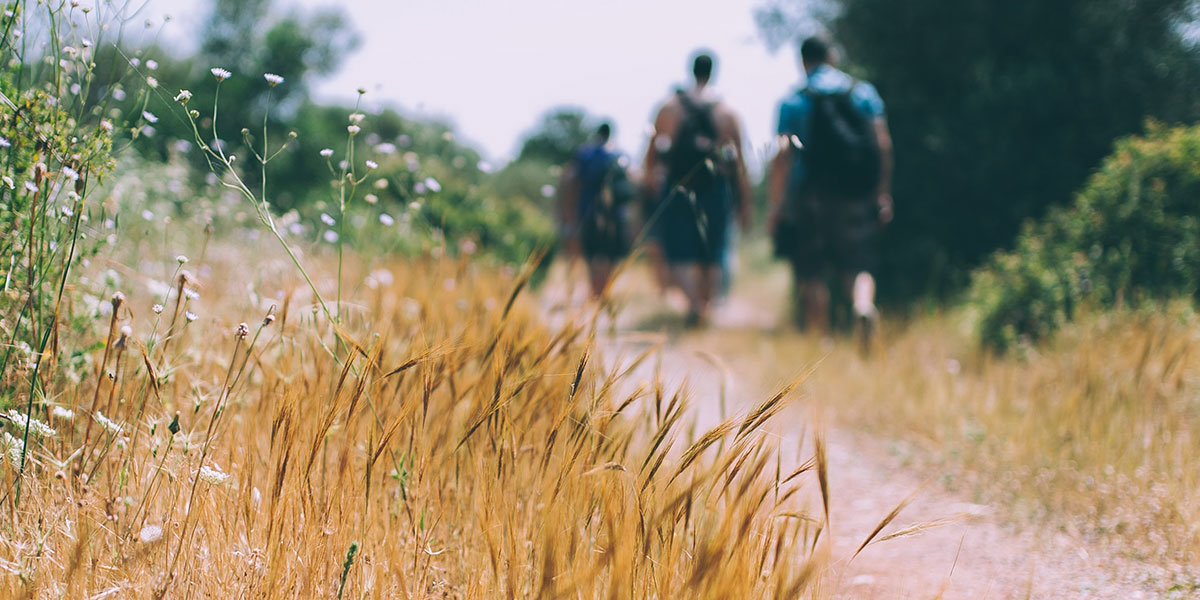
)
(694, 227)
(604, 238)
(826, 235)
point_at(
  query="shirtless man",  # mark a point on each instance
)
(695, 169)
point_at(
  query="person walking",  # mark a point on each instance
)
(695, 167)
(829, 186)
(596, 199)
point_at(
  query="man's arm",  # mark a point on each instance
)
(883, 193)
(777, 178)
(568, 207)
(664, 128)
(745, 200)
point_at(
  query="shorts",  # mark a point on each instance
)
(693, 228)
(603, 237)
(828, 235)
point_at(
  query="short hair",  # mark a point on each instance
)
(815, 50)
(604, 131)
(702, 66)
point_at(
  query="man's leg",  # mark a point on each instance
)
(599, 271)
(815, 296)
(866, 316)
(658, 263)
(710, 288)
(690, 278)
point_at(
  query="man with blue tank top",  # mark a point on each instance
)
(826, 205)
(596, 197)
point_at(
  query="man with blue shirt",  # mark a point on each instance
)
(829, 186)
(596, 193)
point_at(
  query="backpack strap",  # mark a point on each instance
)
(693, 108)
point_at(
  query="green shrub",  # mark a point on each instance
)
(1132, 236)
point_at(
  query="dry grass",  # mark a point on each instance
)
(449, 445)
(1096, 433)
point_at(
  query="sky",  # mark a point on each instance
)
(494, 67)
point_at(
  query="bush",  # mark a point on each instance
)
(1131, 237)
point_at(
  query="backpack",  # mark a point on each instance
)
(841, 154)
(695, 142)
(604, 190)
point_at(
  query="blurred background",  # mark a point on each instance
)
(1000, 113)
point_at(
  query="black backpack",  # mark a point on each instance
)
(695, 142)
(841, 154)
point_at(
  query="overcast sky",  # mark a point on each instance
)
(494, 67)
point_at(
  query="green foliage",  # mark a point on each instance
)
(1132, 236)
(1000, 110)
(561, 131)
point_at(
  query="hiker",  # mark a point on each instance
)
(596, 197)
(695, 169)
(829, 187)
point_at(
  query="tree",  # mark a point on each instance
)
(560, 132)
(999, 110)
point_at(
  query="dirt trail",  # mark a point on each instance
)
(974, 554)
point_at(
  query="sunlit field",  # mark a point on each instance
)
(256, 342)
(1094, 434)
(442, 442)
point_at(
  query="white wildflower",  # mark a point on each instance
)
(183, 96)
(118, 94)
(371, 198)
(547, 191)
(330, 236)
(61, 412)
(135, 62)
(212, 475)
(29, 185)
(386, 148)
(149, 116)
(356, 118)
(181, 259)
(152, 64)
(386, 219)
(327, 152)
(4, 143)
(190, 316)
(191, 294)
(381, 184)
(106, 125)
(9, 182)
(328, 220)
(353, 129)
(15, 448)
(372, 164)
(147, 215)
(152, 82)
(36, 427)
(110, 425)
(433, 185)
(220, 74)
(70, 173)
(272, 79)
(150, 534)
(157, 308)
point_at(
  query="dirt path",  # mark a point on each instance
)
(974, 553)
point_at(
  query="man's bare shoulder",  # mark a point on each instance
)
(727, 119)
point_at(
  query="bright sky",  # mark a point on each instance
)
(494, 67)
